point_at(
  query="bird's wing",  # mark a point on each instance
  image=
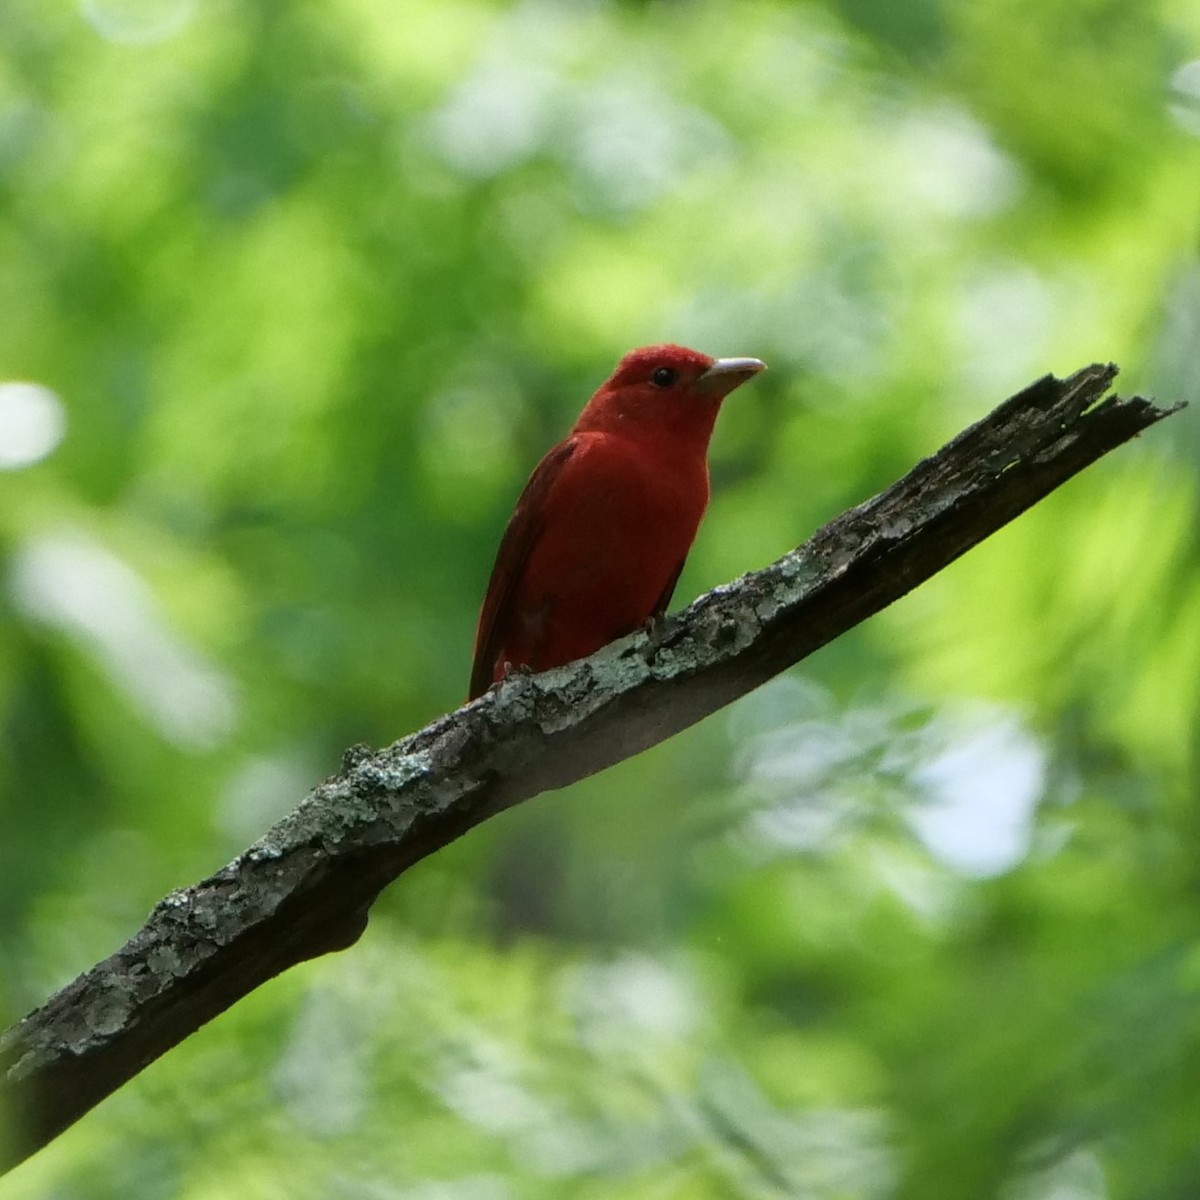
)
(524, 528)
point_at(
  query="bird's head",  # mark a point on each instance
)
(666, 388)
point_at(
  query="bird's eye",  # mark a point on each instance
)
(663, 377)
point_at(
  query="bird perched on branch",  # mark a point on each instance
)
(601, 531)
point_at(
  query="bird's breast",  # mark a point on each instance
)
(641, 505)
(622, 519)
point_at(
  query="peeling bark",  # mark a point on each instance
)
(306, 886)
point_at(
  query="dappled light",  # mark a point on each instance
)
(1185, 96)
(980, 794)
(815, 780)
(32, 423)
(138, 22)
(69, 582)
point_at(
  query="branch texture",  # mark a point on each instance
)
(305, 888)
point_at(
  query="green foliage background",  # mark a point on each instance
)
(316, 283)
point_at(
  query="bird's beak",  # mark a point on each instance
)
(727, 373)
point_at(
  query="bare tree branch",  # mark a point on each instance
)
(305, 888)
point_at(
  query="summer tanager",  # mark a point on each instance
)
(600, 533)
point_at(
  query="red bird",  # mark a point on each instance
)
(600, 533)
